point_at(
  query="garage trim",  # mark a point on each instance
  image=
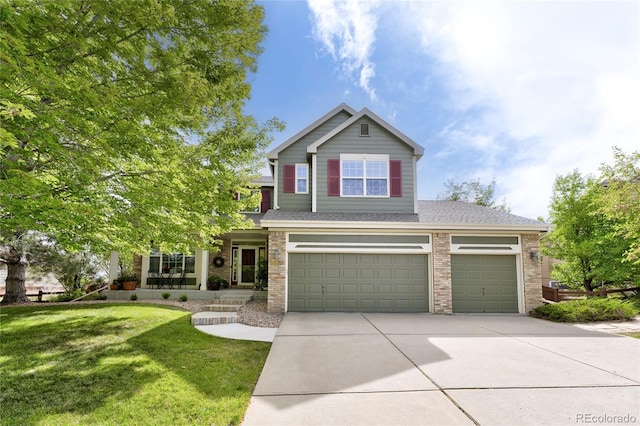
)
(359, 243)
(493, 244)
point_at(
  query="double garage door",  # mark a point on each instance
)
(335, 282)
(353, 282)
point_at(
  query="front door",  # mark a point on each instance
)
(248, 265)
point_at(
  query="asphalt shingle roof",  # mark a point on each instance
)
(429, 212)
(462, 213)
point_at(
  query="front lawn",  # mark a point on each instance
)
(115, 364)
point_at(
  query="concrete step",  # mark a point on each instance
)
(232, 300)
(213, 318)
(222, 307)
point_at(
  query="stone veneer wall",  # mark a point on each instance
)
(277, 271)
(532, 272)
(225, 252)
(441, 273)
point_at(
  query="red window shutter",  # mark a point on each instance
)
(333, 177)
(289, 178)
(395, 175)
(265, 203)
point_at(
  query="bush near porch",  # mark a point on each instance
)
(119, 364)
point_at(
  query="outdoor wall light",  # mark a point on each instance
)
(276, 254)
(534, 255)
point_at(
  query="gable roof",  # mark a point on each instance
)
(418, 150)
(273, 154)
(450, 215)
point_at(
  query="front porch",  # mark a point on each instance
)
(174, 294)
(240, 260)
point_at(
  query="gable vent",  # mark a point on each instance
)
(364, 129)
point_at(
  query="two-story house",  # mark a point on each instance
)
(342, 230)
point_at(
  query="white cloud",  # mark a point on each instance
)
(346, 29)
(550, 86)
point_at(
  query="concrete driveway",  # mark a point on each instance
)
(418, 369)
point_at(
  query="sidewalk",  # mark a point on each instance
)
(614, 327)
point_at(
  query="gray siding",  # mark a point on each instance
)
(297, 153)
(380, 141)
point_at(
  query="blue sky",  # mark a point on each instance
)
(516, 91)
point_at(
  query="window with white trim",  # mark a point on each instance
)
(364, 175)
(302, 178)
(172, 262)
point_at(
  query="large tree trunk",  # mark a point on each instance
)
(16, 291)
(588, 284)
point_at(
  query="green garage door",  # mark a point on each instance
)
(484, 283)
(357, 282)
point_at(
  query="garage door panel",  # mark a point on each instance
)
(358, 282)
(484, 283)
(384, 288)
(349, 273)
(402, 289)
(332, 288)
(350, 288)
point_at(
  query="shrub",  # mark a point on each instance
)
(66, 296)
(166, 295)
(587, 310)
(96, 296)
(133, 297)
(183, 298)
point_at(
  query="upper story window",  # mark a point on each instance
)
(364, 175)
(249, 209)
(364, 129)
(295, 178)
(302, 178)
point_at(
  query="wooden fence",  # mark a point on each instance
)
(558, 295)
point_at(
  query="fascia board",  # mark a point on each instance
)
(273, 154)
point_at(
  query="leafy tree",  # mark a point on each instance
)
(582, 238)
(620, 199)
(473, 192)
(122, 123)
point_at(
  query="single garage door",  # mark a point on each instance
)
(484, 283)
(337, 282)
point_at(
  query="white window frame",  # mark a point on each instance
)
(160, 255)
(364, 158)
(305, 178)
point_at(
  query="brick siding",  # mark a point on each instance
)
(277, 271)
(441, 274)
(532, 272)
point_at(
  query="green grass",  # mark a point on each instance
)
(588, 310)
(116, 364)
(635, 335)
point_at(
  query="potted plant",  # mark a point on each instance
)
(128, 279)
(214, 282)
(115, 285)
